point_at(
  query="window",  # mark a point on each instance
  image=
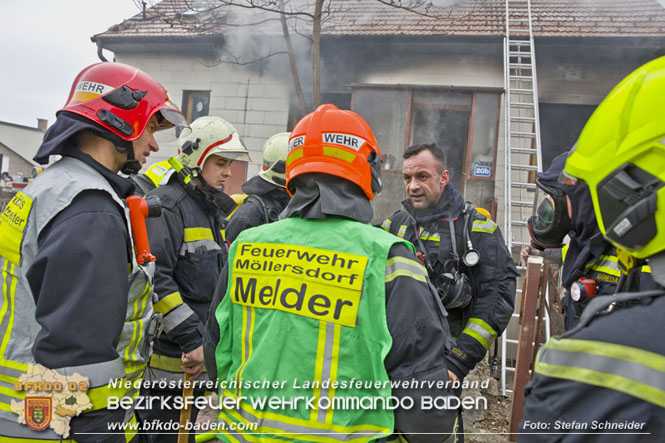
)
(464, 122)
(195, 104)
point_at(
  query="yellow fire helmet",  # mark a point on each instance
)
(621, 156)
(275, 151)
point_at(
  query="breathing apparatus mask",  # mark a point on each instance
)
(552, 222)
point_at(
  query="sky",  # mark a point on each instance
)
(44, 44)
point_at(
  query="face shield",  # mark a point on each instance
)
(551, 223)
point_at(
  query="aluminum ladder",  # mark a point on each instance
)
(521, 143)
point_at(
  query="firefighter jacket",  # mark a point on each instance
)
(320, 304)
(490, 284)
(604, 377)
(190, 251)
(264, 203)
(69, 303)
(603, 267)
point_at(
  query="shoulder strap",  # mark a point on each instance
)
(263, 207)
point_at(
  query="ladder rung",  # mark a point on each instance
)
(516, 315)
(523, 134)
(523, 185)
(522, 204)
(519, 42)
(523, 151)
(519, 223)
(521, 91)
(509, 340)
(520, 65)
(520, 77)
(522, 119)
(521, 244)
(521, 105)
(524, 167)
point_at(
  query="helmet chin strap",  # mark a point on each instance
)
(132, 166)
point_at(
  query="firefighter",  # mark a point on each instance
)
(606, 375)
(590, 264)
(190, 252)
(464, 253)
(66, 247)
(330, 300)
(267, 195)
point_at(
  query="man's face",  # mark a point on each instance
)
(423, 181)
(216, 171)
(146, 142)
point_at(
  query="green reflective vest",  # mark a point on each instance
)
(26, 215)
(303, 324)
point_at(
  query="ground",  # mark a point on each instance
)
(487, 425)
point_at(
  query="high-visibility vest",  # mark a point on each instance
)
(34, 208)
(305, 316)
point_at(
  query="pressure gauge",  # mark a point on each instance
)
(471, 258)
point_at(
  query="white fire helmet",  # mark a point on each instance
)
(275, 151)
(208, 136)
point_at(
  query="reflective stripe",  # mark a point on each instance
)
(633, 371)
(195, 234)
(98, 373)
(487, 226)
(247, 344)
(166, 363)
(9, 299)
(401, 231)
(608, 264)
(272, 423)
(430, 236)
(176, 316)
(646, 269)
(193, 246)
(341, 154)
(405, 267)
(481, 331)
(131, 350)
(99, 396)
(327, 360)
(386, 224)
(166, 304)
(171, 364)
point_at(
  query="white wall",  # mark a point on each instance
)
(21, 139)
(256, 104)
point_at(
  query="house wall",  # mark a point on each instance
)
(17, 164)
(255, 102)
(23, 140)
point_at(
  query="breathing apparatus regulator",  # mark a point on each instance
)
(453, 286)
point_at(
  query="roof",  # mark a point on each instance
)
(550, 18)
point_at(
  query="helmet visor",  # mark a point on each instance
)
(171, 118)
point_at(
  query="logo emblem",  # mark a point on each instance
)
(38, 412)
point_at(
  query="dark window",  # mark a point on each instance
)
(195, 104)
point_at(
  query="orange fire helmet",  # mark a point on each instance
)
(336, 142)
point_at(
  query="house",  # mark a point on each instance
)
(18, 144)
(434, 74)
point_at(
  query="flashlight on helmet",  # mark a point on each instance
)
(583, 288)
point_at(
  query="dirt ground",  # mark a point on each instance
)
(490, 425)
